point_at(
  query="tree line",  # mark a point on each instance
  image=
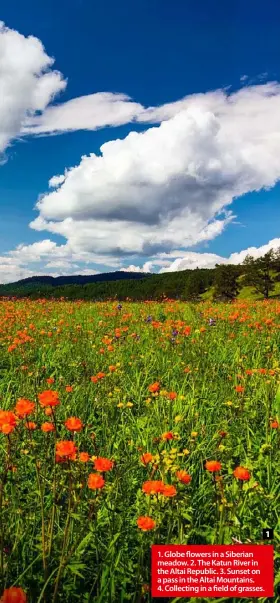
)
(225, 282)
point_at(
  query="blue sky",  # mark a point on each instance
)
(156, 53)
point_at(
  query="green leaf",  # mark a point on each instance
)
(75, 567)
(83, 544)
(116, 537)
(76, 516)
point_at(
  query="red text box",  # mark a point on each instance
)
(212, 571)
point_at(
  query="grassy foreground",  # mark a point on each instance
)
(114, 416)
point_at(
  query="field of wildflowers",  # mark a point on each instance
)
(123, 426)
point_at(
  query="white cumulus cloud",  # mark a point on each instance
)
(27, 81)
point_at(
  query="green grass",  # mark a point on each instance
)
(246, 293)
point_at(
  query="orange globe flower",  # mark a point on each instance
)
(153, 487)
(84, 457)
(50, 380)
(169, 491)
(49, 398)
(66, 449)
(213, 466)
(242, 473)
(239, 389)
(183, 476)
(103, 464)
(74, 424)
(172, 395)
(274, 424)
(24, 407)
(30, 425)
(168, 435)
(69, 388)
(14, 594)
(8, 421)
(154, 387)
(146, 523)
(95, 481)
(100, 375)
(146, 458)
(47, 427)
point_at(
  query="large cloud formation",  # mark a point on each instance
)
(171, 186)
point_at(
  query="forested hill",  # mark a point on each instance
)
(118, 285)
(255, 279)
(80, 279)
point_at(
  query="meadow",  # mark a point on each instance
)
(123, 426)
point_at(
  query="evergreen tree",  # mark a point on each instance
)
(194, 286)
(258, 273)
(226, 285)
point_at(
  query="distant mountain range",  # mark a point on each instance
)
(76, 279)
